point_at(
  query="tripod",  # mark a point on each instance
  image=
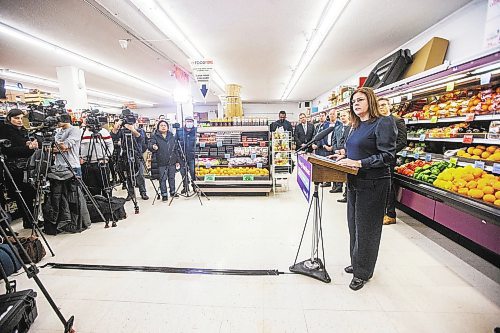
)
(187, 179)
(43, 168)
(103, 166)
(313, 267)
(31, 272)
(34, 225)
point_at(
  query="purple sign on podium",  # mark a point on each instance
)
(304, 174)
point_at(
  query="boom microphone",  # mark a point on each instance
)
(321, 135)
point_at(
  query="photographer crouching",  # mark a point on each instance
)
(96, 150)
(131, 153)
(17, 156)
(165, 158)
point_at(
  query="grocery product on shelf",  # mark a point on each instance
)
(480, 152)
(232, 172)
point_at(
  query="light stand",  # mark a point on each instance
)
(313, 267)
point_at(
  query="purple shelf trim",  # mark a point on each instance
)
(418, 203)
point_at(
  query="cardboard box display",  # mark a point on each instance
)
(430, 55)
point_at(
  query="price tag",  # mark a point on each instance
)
(397, 99)
(245, 144)
(421, 137)
(262, 143)
(409, 96)
(209, 178)
(259, 165)
(485, 78)
(428, 157)
(479, 164)
(202, 144)
(253, 156)
(416, 156)
(248, 178)
(434, 119)
(226, 156)
(468, 138)
(496, 168)
(208, 165)
(450, 86)
(469, 117)
(454, 161)
(219, 143)
(404, 153)
(406, 121)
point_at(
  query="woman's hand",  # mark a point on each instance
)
(349, 163)
(336, 157)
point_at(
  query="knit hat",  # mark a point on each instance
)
(12, 113)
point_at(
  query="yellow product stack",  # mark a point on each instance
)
(234, 107)
(36, 97)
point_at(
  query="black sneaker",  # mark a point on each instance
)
(336, 190)
(129, 197)
(144, 196)
(343, 200)
(174, 195)
(165, 198)
(356, 283)
(184, 191)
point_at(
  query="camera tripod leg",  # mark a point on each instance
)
(18, 192)
(32, 271)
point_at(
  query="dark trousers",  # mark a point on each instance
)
(167, 173)
(390, 209)
(27, 191)
(191, 172)
(366, 201)
(95, 178)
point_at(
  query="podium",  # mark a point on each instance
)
(323, 170)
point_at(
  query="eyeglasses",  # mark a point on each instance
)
(358, 100)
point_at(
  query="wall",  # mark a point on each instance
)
(464, 29)
(271, 110)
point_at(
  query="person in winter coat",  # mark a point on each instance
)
(187, 140)
(165, 158)
(17, 154)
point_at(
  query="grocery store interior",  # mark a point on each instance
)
(259, 238)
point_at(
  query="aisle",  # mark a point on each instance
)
(418, 286)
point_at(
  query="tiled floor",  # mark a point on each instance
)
(423, 282)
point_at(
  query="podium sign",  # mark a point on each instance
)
(304, 173)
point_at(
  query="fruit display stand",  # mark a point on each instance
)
(453, 116)
(233, 160)
(281, 166)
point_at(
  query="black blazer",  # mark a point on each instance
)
(401, 139)
(301, 137)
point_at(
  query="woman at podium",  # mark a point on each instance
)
(370, 147)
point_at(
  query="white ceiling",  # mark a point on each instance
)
(253, 43)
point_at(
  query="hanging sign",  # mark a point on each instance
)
(202, 69)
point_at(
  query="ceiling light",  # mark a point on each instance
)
(27, 78)
(330, 16)
(159, 17)
(97, 66)
(15, 88)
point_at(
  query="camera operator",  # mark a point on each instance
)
(17, 156)
(165, 158)
(139, 137)
(117, 176)
(99, 151)
(187, 140)
(68, 140)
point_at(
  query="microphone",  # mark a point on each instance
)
(321, 135)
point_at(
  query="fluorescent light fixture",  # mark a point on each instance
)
(97, 66)
(15, 88)
(331, 14)
(160, 18)
(28, 78)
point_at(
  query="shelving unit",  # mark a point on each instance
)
(472, 218)
(233, 159)
(281, 167)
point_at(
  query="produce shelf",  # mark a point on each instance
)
(461, 140)
(487, 117)
(488, 213)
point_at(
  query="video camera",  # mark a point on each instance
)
(47, 117)
(128, 117)
(95, 119)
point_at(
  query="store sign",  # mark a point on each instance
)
(202, 69)
(248, 178)
(479, 164)
(496, 168)
(304, 175)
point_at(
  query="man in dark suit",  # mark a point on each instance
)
(338, 142)
(319, 146)
(385, 110)
(304, 131)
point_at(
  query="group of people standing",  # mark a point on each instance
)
(366, 137)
